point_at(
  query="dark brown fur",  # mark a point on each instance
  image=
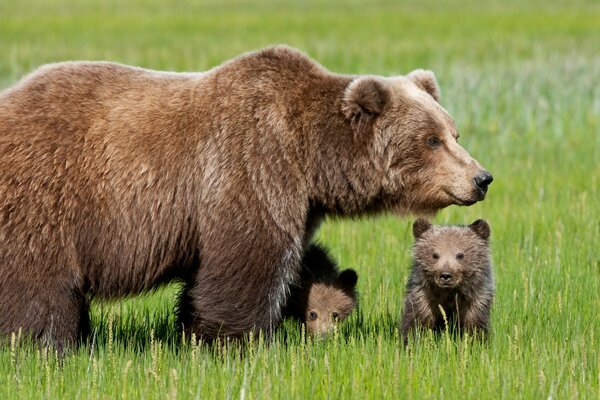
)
(324, 296)
(115, 179)
(451, 270)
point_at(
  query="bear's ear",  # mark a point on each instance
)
(420, 227)
(348, 279)
(363, 100)
(425, 80)
(481, 228)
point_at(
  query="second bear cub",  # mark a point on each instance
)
(451, 271)
(324, 296)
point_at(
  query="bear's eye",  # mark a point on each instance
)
(460, 256)
(433, 142)
(335, 316)
(436, 256)
(312, 315)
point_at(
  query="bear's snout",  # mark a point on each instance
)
(448, 277)
(482, 181)
(445, 276)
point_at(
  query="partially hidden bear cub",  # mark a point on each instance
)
(451, 271)
(324, 296)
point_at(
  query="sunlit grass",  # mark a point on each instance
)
(522, 84)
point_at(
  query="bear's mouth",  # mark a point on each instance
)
(481, 194)
(460, 202)
(446, 285)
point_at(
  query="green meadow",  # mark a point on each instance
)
(521, 79)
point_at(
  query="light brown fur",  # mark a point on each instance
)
(116, 179)
(327, 306)
(323, 296)
(451, 271)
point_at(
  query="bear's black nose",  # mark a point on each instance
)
(482, 180)
(445, 276)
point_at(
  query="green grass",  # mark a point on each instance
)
(523, 83)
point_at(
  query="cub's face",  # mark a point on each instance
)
(450, 256)
(330, 303)
(424, 168)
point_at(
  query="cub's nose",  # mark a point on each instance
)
(482, 180)
(445, 276)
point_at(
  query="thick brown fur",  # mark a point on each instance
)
(115, 179)
(451, 270)
(324, 296)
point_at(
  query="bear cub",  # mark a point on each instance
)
(451, 271)
(323, 296)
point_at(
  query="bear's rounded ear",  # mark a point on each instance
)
(364, 99)
(426, 81)
(421, 226)
(348, 278)
(481, 228)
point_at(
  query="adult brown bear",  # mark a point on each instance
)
(115, 179)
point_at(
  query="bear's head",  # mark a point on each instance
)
(420, 166)
(330, 302)
(451, 256)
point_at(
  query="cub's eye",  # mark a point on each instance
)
(312, 315)
(433, 142)
(335, 316)
(436, 256)
(460, 256)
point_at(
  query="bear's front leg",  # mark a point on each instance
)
(240, 287)
(477, 317)
(416, 315)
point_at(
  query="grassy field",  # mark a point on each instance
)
(523, 83)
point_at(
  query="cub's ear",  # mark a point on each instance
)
(425, 80)
(420, 227)
(481, 228)
(363, 100)
(348, 279)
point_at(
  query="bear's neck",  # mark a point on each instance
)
(342, 176)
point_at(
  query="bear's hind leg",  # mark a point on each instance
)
(49, 315)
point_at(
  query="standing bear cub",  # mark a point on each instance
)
(116, 179)
(451, 272)
(324, 296)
